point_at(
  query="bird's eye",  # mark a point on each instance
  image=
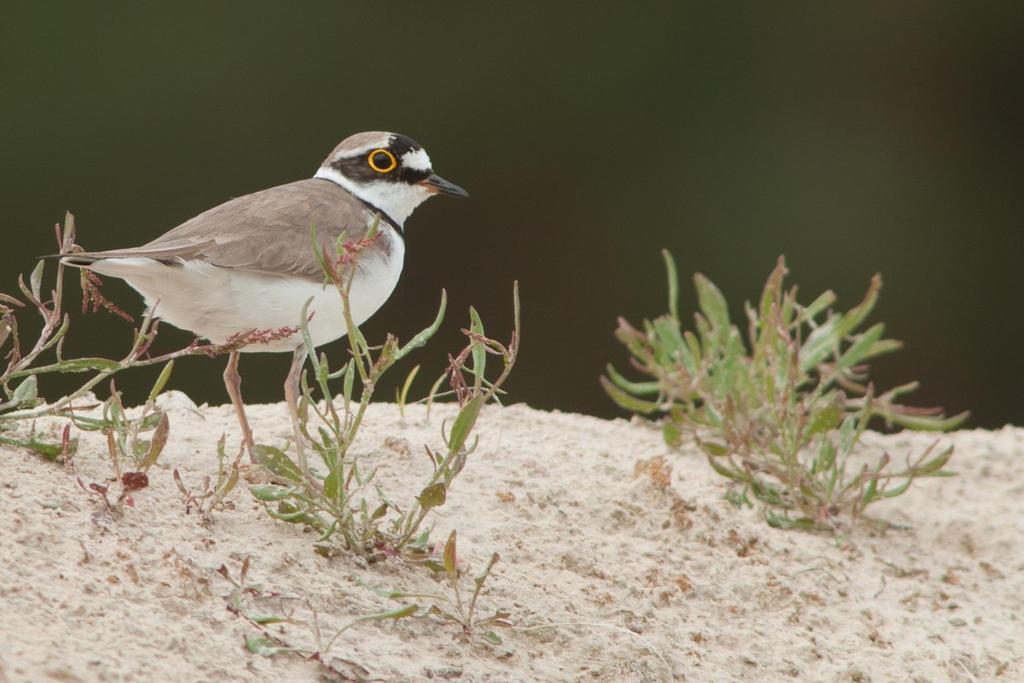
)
(382, 161)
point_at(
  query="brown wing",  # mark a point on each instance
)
(267, 231)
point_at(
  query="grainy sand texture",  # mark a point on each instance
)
(615, 566)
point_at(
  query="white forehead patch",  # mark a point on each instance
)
(417, 160)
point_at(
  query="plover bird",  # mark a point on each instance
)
(248, 264)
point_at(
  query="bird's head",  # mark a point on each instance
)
(387, 170)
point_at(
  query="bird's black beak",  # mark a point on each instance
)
(439, 185)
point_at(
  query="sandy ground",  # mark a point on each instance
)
(607, 575)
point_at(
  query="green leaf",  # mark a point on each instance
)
(926, 423)
(258, 645)
(671, 433)
(324, 267)
(869, 490)
(433, 496)
(265, 619)
(307, 338)
(375, 228)
(635, 388)
(826, 338)
(825, 460)
(349, 380)
(51, 451)
(28, 390)
(861, 348)
(161, 381)
(711, 302)
(897, 490)
(286, 512)
(150, 421)
(714, 449)
(424, 335)
(464, 423)
(772, 295)
(275, 460)
(402, 395)
(826, 418)
(271, 493)
(884, 346)
(784, 521)
(36, 280)
(692, 359)
(158, 442)
(357, 335)
(397, 613)
(672, 276)
(718, 466)
(847, 435)
(856, 315)
(479, 353)
(331, 487)
(627, 401)
(819, 344)
(450, 566)
(818, 306)
(934, 466)
(325, 535)
(737, 499)
(491, 637)
(667, 331)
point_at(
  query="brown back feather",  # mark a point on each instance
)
(266, 231)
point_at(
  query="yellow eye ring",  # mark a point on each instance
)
(375, 164)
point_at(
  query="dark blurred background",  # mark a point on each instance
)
(871, 137)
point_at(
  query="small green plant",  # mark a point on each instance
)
(783, 418)
(336, 501)
(211, 494)
(458, 608)
(264, 608)
(133, 443)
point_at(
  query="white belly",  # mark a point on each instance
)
(215, 303)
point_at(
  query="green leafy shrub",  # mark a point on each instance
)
(337, 500)
(783, 413)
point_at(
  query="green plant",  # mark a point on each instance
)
(211, 494)
(133, 443)
(458, 609)
(783, 418)
(263, 609)
(335, 501)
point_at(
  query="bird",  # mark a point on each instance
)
(249, 263)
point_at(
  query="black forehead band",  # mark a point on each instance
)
(401, 144)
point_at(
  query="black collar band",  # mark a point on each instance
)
(383, 216)
(373, 209)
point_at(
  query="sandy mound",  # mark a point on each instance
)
(642, 578)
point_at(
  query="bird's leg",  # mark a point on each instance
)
(233, 383)
(292, 391)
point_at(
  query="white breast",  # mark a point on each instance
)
(215, 303)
